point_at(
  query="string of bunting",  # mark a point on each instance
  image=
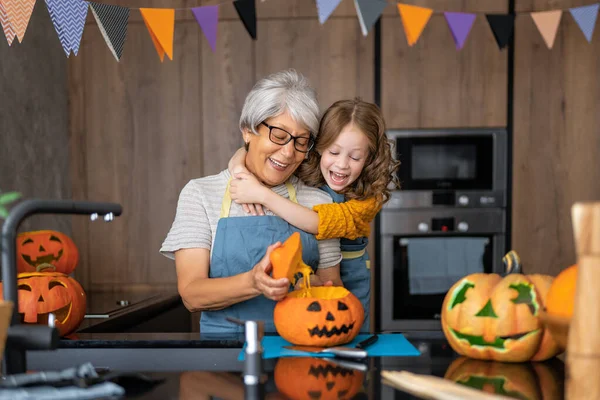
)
(68, 18)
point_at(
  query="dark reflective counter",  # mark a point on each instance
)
(187, 366)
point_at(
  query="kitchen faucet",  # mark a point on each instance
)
(23, 337)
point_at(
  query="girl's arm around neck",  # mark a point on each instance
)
(295, 214)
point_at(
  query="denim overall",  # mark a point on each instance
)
(355, 268)
(240, 243)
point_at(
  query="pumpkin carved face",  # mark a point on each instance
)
(46, 247)
(312, 316)
(534, 381)
(42, 293)
(488, 317)
(313, 378)
(321, 316)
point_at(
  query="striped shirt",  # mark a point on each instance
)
(199, 209)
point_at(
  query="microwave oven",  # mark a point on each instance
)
(450, 167)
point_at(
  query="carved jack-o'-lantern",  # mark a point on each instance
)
(488, 317)
(533, 381)
(313, 378)
(313, 316)
(321, 316)
(42, 293)
(46, 247)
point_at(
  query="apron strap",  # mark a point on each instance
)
(226, 204)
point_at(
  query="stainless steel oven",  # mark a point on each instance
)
(424, 252)
(447, 221)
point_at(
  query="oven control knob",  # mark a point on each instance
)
(423, 227)
(463, 200)
(462, 226)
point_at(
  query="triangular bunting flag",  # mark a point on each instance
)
(112, 21)
(414, 20)
(586, 19)
(208, 19)
(161, 26)
(547, 23)
(460, 25)
(68, 17)
(19, 13)
(325, 8)
(246, 9)
(9, 32)
(369, 12)
(502, 27)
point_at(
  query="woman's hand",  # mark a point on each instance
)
(248, 191)
(274, 289)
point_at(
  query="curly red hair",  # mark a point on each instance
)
(378, 176)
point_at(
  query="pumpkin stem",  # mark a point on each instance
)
(512, 263)
(44, 266)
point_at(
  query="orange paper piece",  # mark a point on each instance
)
(161, 25)
(19, 13)
(414, 20)
(547, 23)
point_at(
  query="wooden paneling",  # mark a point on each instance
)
(138, 129)
(335, 57)
(34, 134)
(432, 85)
(556, 137)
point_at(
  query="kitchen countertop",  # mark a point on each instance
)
(192, 367)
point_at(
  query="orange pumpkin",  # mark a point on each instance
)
(314, 378)
(313, 316)
(46, 247)
(42, 293)
(532, 381)
(488, 317)
(561, 296)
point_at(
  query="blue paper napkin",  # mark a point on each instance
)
(388, 344)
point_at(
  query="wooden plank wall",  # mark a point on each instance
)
(142, 129)
(34, 134)
(556, 135)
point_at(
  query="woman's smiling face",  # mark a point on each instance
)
(343, 161)
(272, 163)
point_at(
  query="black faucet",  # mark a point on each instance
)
(34, 337)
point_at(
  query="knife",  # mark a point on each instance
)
(367, 342)
(339, 351)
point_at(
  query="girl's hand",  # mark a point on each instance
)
(248, 191)
(314, 281)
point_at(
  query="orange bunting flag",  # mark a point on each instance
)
(547, 23)
(6, 26)
(414, 20)
(161, 25)
(19, 13)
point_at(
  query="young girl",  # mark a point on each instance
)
(352, 161)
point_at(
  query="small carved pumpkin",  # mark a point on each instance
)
(313, 378)
(313, 316)
(488, 317)
(42, 293)
(532, 381)
(46, 247)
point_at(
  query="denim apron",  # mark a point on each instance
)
(355, 268)
(240, 243)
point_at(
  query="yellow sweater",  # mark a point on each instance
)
(349, 220)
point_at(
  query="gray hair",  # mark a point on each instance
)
(277, 93)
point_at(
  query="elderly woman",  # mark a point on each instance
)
(221, 253)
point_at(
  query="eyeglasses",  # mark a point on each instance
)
(282, 137)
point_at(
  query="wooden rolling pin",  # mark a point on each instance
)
(434, 388)
(583, 347)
